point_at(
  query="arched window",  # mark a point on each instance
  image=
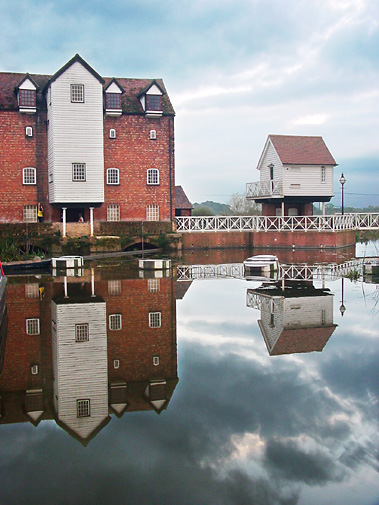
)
(113, 176)
(29, 175)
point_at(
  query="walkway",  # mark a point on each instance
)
(336, 222)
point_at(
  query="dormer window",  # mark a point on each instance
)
(153, 102)
(112, 98)
(27, 98)
(27, 95)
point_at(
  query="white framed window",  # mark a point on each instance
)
(78, 172)
(115, 322)
(113, 176)
(32, 290)
(34, 369)
(152, 212)
(82, 332)
(28, 175)
(27, 97)
(116, 363)
(323, 174)
(153, 176)
(112, 133)
(153, 135)
(29, 131)
(112, 100)
(155, 319)
(114, 287)
(30, 214)
(32, 326)
(83, 408)
(323, 316)
(113, 212)
(155, 360)
(77, 93)
(153, 285)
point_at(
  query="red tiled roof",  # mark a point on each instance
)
(130, 99)
(301, 150)
(181, 200)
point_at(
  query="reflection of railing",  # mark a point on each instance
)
(263, 189)
(335, 222)
(288, 272)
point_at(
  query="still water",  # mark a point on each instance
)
(122, 389)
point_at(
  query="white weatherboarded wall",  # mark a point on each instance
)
(75, 135)
(305, 180)
(80, 368)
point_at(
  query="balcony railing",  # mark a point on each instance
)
(264, 189)
(335, 222)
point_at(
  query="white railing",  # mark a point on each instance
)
(301, 272)
(335, 222)
(263, 189)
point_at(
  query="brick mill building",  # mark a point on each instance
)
(85, 146)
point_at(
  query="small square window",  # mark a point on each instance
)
(155, 360)
(153, 135)
(152, 213)
(32, 326)
(114, 287)
(115, 322)
(113, 101)
(78, 171)
(154, 319)
(153, 176)
(34, 370)
(82, 332)
(29, 131)
(27, 97)
(30, 214)
(28, 175)
(116, 363)
(153, 285)
(113, 176)
(77, 93)
(113, 212)
(112, 133)
(153, 102)
(83, 408)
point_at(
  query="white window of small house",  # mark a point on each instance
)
(82, 332)
(323, 174)
(154, 319)
(77, 93)
(115, 322)
(30, 214)
(113, 212)
(32, 326)
(83, 408)
(29, 175)
(113, 176)
(78, 172)
(153, 176)
(152, 213)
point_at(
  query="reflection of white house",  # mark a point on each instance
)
(294, 320)
(79, 346)
(295, 171)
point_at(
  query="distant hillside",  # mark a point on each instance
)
(218, 209)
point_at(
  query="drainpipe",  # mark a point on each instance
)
(91, 219)
(64, 220)
(170, 125)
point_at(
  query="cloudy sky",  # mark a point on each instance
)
(235, 71)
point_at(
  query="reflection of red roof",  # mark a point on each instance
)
(181, 200)
(299, 150)
(302, 340)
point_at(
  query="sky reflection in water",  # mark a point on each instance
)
(241, 426)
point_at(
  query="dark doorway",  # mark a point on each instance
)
(73, 215)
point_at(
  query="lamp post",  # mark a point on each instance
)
(342, 307)
(342, 182)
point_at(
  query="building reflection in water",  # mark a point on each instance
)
(295, 318)
(83, 349)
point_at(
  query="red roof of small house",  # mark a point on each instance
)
(181, 200)
(302, 150)
(299, 340)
